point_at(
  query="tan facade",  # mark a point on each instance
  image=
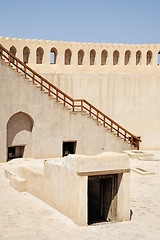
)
(84, 188)
(121, 80)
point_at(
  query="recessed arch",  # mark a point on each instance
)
(13, 51)
(104, 56)
(149, 58)
(138, 57)
(26, 53)
(19, 133)
(127, 57)
(39, 55)
(115, 57)
(80, 57)
(67, 57)
(53, 55)
(92, 57)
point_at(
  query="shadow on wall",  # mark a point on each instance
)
(19, 129)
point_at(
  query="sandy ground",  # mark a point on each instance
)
(23, 216)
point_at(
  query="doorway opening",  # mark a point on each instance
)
(69, 148)
(102, 200)
(15, 152)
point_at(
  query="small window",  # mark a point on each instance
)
(158, 58)
(138, 57)
(53, 56)
(115, 57)
(149, 58)
(67, 58)
(39, 55)
(92, 57)
(26, 53)
(127, 57)
(104, 56)
(80, 57)
(69, 148)
(15, 152)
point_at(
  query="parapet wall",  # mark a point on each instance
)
(76, 53)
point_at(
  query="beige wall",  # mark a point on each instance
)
(129, 94)
(64, 183)
(52, 122)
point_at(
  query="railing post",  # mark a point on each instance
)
(89, 110)
(56, 95)
(1, 52)
(41, 84)
(118, 131)
(9, 60)
(111, 126)
(49, 92)
(125, 136)
(81, 105)
(104, 121)
(132, 140)
(17, 65)
(25, 70)
(73, 105)
(64, 100)
(33, 77)
(138, 145)
(97, 115)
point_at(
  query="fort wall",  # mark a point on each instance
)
(121, 80)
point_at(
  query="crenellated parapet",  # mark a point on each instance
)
(33, 51)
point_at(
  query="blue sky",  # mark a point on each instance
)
(131, 21)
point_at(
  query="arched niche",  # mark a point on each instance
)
(26, 53)
(39, 55)
(149, 58)
(13, 51)
(127, 57)
(19, 133)
(115, 57)
(104, 56)
(80, 57)
(92, 57)
(67, 57)
(138, 57)
(53, 55)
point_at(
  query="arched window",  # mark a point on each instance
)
(104, 56)
(26, 53)
(138, 57)
(67, 57)
(80, 57)
(53, 56)
(127, 57)
(39, 55)
(13, 50)
(158, 58)
(149, 58)
(92, 57)
(115, 57)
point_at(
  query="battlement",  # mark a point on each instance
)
(33, 51)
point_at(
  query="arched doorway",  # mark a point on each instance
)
(19, 134)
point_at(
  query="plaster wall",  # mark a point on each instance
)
(52, 122)
(129, 94)
(63, 186)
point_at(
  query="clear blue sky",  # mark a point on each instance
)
(121, 21)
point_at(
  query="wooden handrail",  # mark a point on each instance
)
(66, 99)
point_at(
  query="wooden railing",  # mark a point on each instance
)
(75, 104)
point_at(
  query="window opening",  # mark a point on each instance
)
(69, 148)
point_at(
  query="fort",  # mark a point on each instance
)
(60, 98)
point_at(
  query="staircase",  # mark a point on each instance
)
(74, 105)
